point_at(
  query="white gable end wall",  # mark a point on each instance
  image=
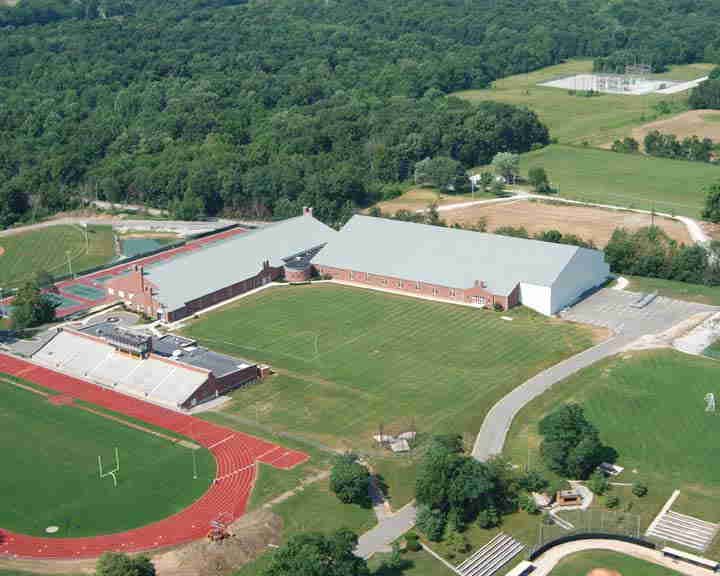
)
(585, 271)
(539, 298)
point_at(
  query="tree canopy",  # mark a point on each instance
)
(350, 480)
(31, 307)
(113, 564)
(315, 554)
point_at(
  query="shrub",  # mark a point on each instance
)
(639, 489)
(612, 502)
(488, 518)
(528, 504)
(598, 483)
(350, 480)
(412, 542)
(431, 523)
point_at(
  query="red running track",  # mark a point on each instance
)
(235, 454)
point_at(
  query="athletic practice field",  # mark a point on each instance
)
(50, 466)
(27, 253)
(649, 406)
(630, 180)
(350, 360)
(575, 118)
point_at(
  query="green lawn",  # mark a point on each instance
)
(649, 407)
(48, 248)
(583, 563)
(351, 359)
(631, 180)
(314, 509)
(574, 119)
(678, 290)
(416, 564)
(50, 467)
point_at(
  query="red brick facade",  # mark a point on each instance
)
(478, 294)
(298, 274)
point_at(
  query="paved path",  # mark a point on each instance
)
(550, 559)
(379, 538)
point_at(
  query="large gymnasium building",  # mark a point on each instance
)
(485, 270)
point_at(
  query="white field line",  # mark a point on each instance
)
(220, 442)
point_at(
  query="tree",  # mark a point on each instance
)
(639, 489)
(570, 444)
(507, 165)
(350, 480)
(44, 279)
(538, 179)
(442, 172)
(706, 95)
(528, 504)
(315, 554)
(431, 522)
(612, 502)
(497, 187)
(533, 481)
(486, 181)
(31, 307)
(489, 518)
(711, 211)
(189, 208)
(598, 483)
(412, 542)
(114, 564)
(627, 145)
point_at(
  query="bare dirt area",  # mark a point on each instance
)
(594, 224)
(700, 123)
(419, 199)
(2, 250)
(603, 572)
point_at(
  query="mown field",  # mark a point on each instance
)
(583, 563)
(50, 468)
(47, 249)
(350, 359)
(633, 181)
(576, 119)
(649, 406)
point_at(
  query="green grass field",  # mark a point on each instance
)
(648, 406)
(50, 467)
(48, 248)
(584, 562)
(575, 119)
(677, 290)
(350, 359)
(634, 181)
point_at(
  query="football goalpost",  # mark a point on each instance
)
(112, 472)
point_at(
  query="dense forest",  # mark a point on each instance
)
(210, 106)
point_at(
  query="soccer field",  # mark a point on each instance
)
(50, 469)
(47, 249)
(630, 180)
(649, 406)
(350, 360)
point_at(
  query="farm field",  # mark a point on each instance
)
(575, 119)
(658, 427)
(47, 249)
(583, 563)
(594, 224)
(677, 290)
(700, 123)
(349, 360)
(630, 180)
(51, 468)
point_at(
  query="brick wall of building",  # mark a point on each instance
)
(477, 294)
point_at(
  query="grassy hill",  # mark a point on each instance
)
(635, 181)
(575, 119)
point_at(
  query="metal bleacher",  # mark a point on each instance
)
(152, 378)
(491, 557)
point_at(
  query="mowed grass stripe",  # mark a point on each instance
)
(380, 358)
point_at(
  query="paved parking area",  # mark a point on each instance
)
(612, 309)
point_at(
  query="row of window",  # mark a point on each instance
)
(398, 284)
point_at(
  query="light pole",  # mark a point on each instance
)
(67, 253)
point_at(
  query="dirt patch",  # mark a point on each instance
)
(700, 123)
(419, 199)
(594, 224)
(603, 572)
(252, 535)
(2, 250)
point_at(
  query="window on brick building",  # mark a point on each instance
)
(435, 291)
(399, 285)
(352, 275)
(384, 281)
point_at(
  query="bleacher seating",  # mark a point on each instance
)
(155, 379)
(491, 557)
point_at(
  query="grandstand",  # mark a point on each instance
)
(174, 373)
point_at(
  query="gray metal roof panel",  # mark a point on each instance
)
(217, 266)
(444, 256)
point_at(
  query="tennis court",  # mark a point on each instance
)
(63, 301)
(85, 291)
